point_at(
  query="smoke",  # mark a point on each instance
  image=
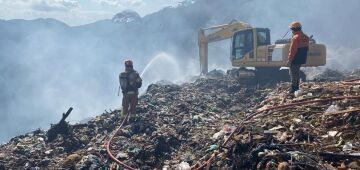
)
(343, 58)
(47, 66)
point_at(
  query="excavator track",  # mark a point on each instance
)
(263, 75)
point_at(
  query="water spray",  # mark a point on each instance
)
(161, 57)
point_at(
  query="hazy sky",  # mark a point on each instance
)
(77, 12)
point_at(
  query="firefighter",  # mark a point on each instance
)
(297, 54)
(130, 82)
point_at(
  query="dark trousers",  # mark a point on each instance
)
(294, 72)
(129, 103)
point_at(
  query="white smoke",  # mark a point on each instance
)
(343, 58)
(46, 66)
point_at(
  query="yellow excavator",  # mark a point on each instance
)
(251, 47)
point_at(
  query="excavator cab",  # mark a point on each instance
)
(250, 47)
(244, 41)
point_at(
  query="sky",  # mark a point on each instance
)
(77, 12)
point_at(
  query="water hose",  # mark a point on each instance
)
(108, 143)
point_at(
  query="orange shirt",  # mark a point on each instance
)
(298, 40)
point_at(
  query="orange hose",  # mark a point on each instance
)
(351, 82)
(108, 143)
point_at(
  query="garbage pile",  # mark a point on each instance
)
(330, 75)
(184, 126)
(316, 129)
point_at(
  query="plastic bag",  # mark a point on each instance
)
(347, 147)
(184, 166)
(298, 93)
(332, 109)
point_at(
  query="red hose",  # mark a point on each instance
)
(108, 143)
(351, 83)
(273, 108)
(352, 80)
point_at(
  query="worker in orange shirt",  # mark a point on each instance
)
(297, 54)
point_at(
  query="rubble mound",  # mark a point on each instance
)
(182, 125)
(330, 75)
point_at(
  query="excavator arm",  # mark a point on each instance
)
(221, 32)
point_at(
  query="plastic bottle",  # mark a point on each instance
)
(332, 109)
